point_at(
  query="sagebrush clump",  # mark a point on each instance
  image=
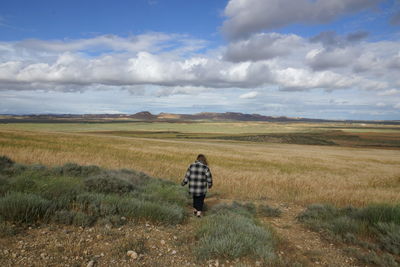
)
(82, 195)
(375, 227)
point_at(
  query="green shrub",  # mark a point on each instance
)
(157, 212)
(114, 220)
(82, 219)
(232, 236)
(344, 225)
(106, 183)
(379, 213)
(76, 218)
(63, 217)
(24, 183)
(318, 212)
(24, 208)
(61, 190)
(162, 191)
(4, 185)
(5, 163)
(371, 258)
(267, 211)
(75, 170)
(247, 210)
(389, 237)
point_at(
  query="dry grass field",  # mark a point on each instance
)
(355, 174)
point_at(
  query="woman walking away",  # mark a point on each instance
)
(199, 178)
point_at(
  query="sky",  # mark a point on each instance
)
(328, 59)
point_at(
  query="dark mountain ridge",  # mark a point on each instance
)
(171, 117)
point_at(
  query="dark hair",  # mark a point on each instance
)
(202, 159)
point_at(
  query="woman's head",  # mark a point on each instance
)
(202, 159)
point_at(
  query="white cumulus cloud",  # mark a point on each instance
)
(249, 95)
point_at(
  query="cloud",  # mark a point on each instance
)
(357, 36)
(246, 17)
(262, 47)
(179, 65)
(390, 92)
(395, 19)
(249, 95)
(323, 59)
(331, 39)
(152, 42)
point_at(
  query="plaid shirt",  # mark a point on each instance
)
(199, 178)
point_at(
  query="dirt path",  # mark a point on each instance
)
(306, 246)
(298, 244)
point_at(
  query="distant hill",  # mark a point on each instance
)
(171, 117)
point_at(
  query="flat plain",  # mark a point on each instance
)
(301, 163)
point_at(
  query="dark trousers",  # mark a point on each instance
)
(198, 202)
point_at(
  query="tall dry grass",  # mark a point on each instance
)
(246, 171)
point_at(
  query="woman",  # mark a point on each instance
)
(199, 178)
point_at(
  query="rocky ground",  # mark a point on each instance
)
(140, 243)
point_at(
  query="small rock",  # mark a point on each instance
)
(147, 225)
(43, 255)
(173, 252)
(102, 254)
(123, 218)
(132, 254)
(14, 255)
(162, 242)
(90, 264)
(175, 237)
(98, 236)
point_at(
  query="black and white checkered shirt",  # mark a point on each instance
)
(199, 178)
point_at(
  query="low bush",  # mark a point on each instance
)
(82, 219)
(233, 236)
(106, 183)
(63, 217)
(4, 185)
(153, 211)
(75, 170)
(5, 163)
(389, 237)
(378, 213)
(23, 183)
(62, 190)
(371, 258)
(247, 209)
(164, 191)
(24, 208)
(231, 232)
(65, 195)
(267, 211)
(377, 223)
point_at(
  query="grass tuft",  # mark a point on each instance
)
(231, 232)
(24, 208)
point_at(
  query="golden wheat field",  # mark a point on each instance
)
(301, 174)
